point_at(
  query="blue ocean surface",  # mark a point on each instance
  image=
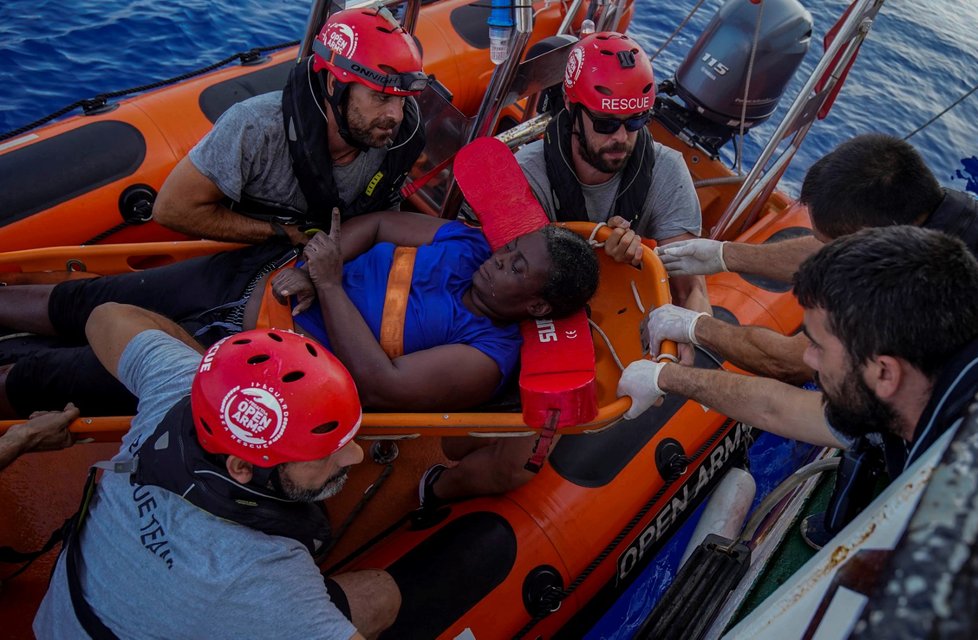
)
(918, 60)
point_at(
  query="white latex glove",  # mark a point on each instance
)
(696, 257)
(670, 322)
(640, 382)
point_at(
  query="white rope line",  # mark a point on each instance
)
(11, 336)
(638, 298)
(607, 343)
(750, 72)
(309, 82)
(638, 302)
(678, 29)
(417, 126)
(594, 232)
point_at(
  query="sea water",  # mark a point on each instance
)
(919, 59)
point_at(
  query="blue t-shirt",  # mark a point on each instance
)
(156, 566)
(435, 313)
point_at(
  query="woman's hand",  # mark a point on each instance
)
(323, 256)
(294, 282)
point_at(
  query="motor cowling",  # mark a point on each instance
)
(711, 78)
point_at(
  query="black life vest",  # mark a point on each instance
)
(303, 100)
(952, 395)
(633, 190)
(957, 215)
(172, 459)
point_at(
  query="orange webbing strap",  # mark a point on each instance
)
(395, 304)
(272, 314)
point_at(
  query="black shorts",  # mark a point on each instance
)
(338, 597)
(193, 292)
(196, 293)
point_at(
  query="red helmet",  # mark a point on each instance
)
(270, 396)
(370, 47)
(608, 72)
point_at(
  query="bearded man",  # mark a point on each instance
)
(343, 133)
(892, 318)
(598, 161)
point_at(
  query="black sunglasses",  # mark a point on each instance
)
(607, 126)
(413, 81)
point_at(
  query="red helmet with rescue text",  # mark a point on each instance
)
(370, 47)
(608, 72)
(269, 396)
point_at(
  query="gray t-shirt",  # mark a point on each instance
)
(672, 207)
(156, 566)
(246, 153)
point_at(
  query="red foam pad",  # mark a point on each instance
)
(496, 189)
(557, 358)
(558, 371)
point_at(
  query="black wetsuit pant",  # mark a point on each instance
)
(205, 295)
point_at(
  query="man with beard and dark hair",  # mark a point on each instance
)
(872, 180)
(344, 133)
(892, 319)
(205, 522)
(598, 161)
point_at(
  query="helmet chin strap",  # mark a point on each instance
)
(268, 480)
(338, 101)
(577, 118)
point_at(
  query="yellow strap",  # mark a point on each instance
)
(395, 304)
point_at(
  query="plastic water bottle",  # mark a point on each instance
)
(499, 44)
(587, 28)
(500, 30)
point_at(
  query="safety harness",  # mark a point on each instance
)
(172, 459)
(636, 178)
(306, 133)
(871, 456)
(278, 315)
(957, 215)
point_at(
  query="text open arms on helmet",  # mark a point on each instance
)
(368, 46)
(608, 72)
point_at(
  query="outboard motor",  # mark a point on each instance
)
(711, 78)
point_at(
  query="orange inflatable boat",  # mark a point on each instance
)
(547, 557)
(542, 561)
(92, 179)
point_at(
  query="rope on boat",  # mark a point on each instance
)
(750, 73)
(125, 224)
(935, 118)
(368, 494)
(675, 33)
(677, 466)
(99, 101)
